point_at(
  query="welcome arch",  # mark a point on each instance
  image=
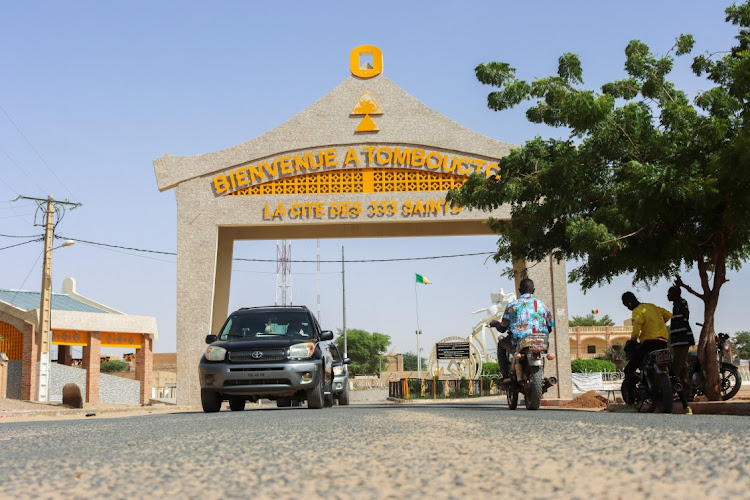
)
(366, 160)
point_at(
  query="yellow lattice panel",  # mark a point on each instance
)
(12, 341)
(357, 181)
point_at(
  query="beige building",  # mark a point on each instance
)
(366, 160)
(75, 321)
(592, 341)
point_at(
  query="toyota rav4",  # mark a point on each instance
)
(276, 353)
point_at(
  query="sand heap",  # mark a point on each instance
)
(591, 399)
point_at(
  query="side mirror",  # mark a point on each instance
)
(347, 361)
(210, 339)
(326, 335)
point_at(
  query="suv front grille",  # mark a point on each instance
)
(251, 356)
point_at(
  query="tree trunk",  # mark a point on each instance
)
(707, 354)
(707, 342)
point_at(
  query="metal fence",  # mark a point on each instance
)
(414, 388)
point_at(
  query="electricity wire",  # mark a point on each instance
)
(241, 259)
(36, 151)
(19, 244)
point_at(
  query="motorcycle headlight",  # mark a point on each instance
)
(302, 351)
(215, 353)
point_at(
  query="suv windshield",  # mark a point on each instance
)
(253, 325)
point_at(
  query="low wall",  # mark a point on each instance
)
(14, 380)
(112, 389)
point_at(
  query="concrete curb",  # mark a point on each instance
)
(63, 412)
(737, 408)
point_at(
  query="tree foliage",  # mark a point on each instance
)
(649, 182)
(741, 343)
(365, 349)
(591, 320)
(410, 362)
(114, 366)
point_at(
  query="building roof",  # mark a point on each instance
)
(28, 301)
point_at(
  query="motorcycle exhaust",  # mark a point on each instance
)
(549, 382)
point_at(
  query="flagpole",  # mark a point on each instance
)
(419, 355)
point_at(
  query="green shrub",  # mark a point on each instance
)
(490, 369)
(114, 366)
(592, 366)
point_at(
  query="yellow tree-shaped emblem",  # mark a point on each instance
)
(367, 106)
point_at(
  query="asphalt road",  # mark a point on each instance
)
(467, 450)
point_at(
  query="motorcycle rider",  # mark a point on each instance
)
(681, 337)
(525, 315)
(649, 334)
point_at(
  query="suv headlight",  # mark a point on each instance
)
(304, 350)
(338, 370)
(214, 353)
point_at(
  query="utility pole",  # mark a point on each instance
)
(45, 306)
(343, 298)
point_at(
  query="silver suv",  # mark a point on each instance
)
(276, 353)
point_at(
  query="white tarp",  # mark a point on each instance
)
(584, 382)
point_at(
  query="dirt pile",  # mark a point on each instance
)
(591, 399)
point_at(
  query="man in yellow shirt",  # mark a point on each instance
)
(650, 331)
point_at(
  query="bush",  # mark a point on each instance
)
(592, 366)
(114, 366)
(490, 369)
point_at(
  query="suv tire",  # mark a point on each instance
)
(283, 402)
(210, 401)
(344, 396)
(315, 396)
(237, 404)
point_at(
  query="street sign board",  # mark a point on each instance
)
(452, 350)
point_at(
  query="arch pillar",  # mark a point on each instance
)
(550, 281)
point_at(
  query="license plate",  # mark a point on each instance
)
(662, 357)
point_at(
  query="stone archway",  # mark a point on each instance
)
(366, 160)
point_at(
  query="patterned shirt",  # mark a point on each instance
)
(527, 315)
(680, 332)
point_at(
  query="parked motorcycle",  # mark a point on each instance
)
(729, 374)
(528, 360)
(654, 385)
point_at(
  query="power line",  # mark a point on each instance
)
(13, 236)
(19, 244)
(394, 259)
(35, 150)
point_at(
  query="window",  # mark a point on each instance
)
(591, 349)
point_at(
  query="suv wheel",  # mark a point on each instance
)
(315, 395)
(236, 404)
(344, 396)
(210, 401)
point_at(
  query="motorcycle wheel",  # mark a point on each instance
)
(665, 387)
(534, 400)
(512, 394)
(730, 381)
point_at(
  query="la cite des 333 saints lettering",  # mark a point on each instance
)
(363, 157)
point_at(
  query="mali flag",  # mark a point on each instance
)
(422, 279)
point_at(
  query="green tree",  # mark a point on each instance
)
(650, 181)
(741, 343)
(114, 366)
(590, 320)
(410, 362)
(365, 349)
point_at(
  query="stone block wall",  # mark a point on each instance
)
(112, 389)
(14, 379)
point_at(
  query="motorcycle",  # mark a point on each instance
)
(527, 372)
(654, 385)
(729, 374)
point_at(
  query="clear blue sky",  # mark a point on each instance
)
(94, 91)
